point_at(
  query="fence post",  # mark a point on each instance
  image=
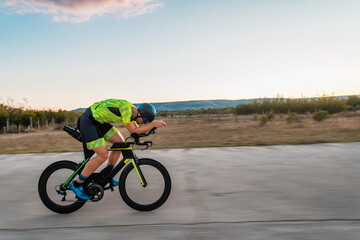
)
(31, 123)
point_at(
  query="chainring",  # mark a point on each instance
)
(95, 192)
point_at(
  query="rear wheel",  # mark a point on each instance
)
(50, 192)
(154, 194)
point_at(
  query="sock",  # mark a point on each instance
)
(76, 184)
(81, 177)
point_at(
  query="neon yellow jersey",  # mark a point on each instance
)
(112, 110)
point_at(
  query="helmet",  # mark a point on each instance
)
(148, 112)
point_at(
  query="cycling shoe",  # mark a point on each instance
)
(79, 192)
(114, 182)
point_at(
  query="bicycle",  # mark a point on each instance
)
(144, 183)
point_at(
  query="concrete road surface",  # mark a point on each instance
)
(249, 193)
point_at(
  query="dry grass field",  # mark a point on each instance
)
(208, 131)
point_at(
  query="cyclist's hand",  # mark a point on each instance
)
(159, 123)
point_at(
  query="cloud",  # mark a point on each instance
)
(83, 10)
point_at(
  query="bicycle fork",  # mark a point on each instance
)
(138, 170)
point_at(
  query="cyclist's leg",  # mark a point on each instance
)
(90, 167)
(112, 135)
(115, 155)
(95, 141)
(94, 138)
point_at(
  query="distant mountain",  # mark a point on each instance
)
(195, 104)
(200, 104)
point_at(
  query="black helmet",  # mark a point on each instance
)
(148, 112)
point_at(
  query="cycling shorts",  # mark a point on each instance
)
(95, 134)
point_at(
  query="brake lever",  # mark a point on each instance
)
(145, 148)
(152, 131)
(147, 144)
(137, 137)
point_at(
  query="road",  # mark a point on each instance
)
(249, 193)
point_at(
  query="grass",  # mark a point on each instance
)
(208, 131)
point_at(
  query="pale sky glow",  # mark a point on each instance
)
(69, 54)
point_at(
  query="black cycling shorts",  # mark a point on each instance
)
(95, 134)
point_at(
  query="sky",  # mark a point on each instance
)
(62, 54)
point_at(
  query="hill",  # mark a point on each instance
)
(202, 104)
(193, 105)
(198, 104)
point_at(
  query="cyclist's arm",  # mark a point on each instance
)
(133, 127)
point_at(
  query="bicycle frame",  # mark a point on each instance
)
(107, 174)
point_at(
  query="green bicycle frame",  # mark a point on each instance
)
(138, 170)
(128, 156)
(65, 185)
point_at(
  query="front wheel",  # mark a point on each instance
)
(49, 188)
(156, 191)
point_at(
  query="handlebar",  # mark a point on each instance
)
(137, 137)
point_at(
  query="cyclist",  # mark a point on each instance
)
(94, 125)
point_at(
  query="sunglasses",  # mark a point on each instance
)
(145, 119)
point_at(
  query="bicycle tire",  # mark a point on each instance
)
(44, 184)
(145, 163)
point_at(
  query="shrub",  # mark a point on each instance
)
(321, 115)
(292, 117)
(60, 116)
(264, 120)
(353, 102)
(281, 105)
(270, 115)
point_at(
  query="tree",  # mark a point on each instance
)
(15, 115)
(25, 117)
(4, 115)
(353, 102)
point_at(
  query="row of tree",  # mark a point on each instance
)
(301, 106)
(280, 105)
(20, 116)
